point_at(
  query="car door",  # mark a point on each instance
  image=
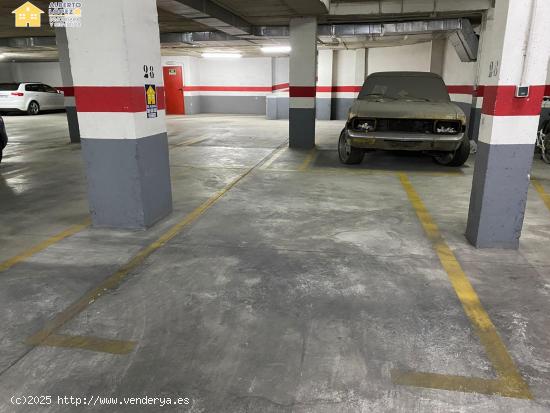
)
(56, 99)
(46, 100)
(32, 93)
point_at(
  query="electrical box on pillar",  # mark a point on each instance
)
(522, 91)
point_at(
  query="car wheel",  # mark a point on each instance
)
(347, 153)
(457, 158)
(34, 108)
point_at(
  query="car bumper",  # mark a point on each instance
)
(7, 106)
(405, 141)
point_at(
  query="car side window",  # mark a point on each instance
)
(32, 88)
(49, 89)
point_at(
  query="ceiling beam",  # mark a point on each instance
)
(209, 14)
(376, 8)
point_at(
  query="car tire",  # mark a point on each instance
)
(348, 154)
(34, 108)
(458, 158)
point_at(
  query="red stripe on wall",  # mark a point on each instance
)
(479, 91)
(547, 90)
(461, 89)
(302, 91)
(501, 101)
(67, 90)
(228, 88)
(339, 89)
(280, 86)
(123, 99)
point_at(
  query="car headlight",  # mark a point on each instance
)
(444, 127)
(363, 125)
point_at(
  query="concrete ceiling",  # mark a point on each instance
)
(263, 13)
(168, 22)
(272, 12)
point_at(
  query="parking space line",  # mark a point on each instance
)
(114, 280)
(5, 265)
(275, 156)
(509, 378)
(190, 142)
(89, 343)
(540, 189)
(454, 383)
(310, 158)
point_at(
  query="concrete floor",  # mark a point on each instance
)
(300, 290)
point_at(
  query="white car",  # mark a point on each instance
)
(30, 97)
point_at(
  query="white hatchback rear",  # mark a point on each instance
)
(29, 97)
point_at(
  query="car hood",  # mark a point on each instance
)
(406, 109)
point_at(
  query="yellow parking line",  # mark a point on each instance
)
(511, 382)
(309, 160)
(273, 158)
(89, 343)
(5, 265)
(540, 189)
(190, 141)
(114, 280)
(454, 383)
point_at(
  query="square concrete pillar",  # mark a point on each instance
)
(116, 68)
(303, 71)
(516, 53)
(68, 85)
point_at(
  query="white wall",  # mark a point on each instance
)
(5, 72)
(456, 72)
(45, 72)
(190, 68)
(345, 62)
(240, 72)
(280, 70)
(416, 57)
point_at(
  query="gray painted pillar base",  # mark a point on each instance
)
(128, 181)
(474, 122)
(271, 108)
(302, 128)
(323, 108)
(499, 195)
(72, 121)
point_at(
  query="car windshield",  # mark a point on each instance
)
(410, 88)
(9, 86)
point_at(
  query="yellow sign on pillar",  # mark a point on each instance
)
(151, 101)
(151, 95)
(28, 15)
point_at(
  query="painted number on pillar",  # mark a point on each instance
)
(493, 68)
(149, 72)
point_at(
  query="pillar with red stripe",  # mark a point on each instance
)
(114, 60)
(517, 53)
(68, 89)
(303, 71)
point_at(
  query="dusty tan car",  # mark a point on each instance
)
(409, 111)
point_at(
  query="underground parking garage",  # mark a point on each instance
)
(273, 206)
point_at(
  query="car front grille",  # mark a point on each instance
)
(428, 126)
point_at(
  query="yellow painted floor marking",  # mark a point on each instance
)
(540, 189)
(310, 158)
(114, 280)
(275, 156)
(5, 265)
(190, 141)
(510, 382)
(362, 171)
(89, 343)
